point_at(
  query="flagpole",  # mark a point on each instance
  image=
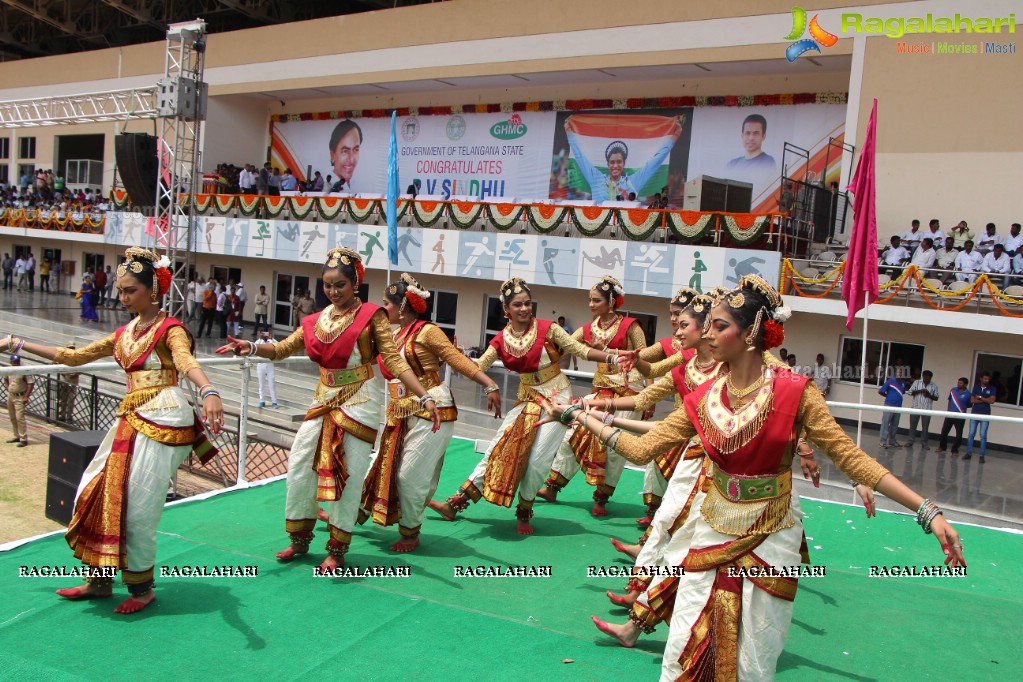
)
(863, 367)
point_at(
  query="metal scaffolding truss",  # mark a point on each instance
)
(116, 105)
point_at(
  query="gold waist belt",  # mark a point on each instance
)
(542, 376)
(738, 488)
(334, 378)
(151, 378)
(398, 390)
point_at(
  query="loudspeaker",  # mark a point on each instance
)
(706, 193)
(70, 454)
(137, 165)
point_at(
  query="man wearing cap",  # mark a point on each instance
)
(19, 388)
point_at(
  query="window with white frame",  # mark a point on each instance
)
(1005, 375)
(883, 357)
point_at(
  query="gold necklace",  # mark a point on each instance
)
(330, 324)
(516, 344)
(704, 367)
(740, 394)
(142, 327)
(603, 334)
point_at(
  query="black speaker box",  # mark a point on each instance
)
(137, 166)
(60, 500)
(71, 452)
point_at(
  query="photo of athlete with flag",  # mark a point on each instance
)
(617, 156)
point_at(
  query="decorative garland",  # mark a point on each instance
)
(224, 203)
(504, 216)
(464, 214)
(401, 208)
(427, 213)
(744, 229)
(49, 220)
(640, 223)
(579, 105)
(274, 206)
(248, 204)
(361, 210)
(591, 220)
(329, 208)
(690, 227)
(119, 198)
(203, 202)
(301, 207)
(545, 218)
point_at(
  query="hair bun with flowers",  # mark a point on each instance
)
(683, 297)
(512, 287)
(414, 294)
(342, 255)
(613, 289)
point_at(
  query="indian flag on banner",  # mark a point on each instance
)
(614, 155)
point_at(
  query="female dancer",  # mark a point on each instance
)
(520, 454)
(333, 445)
(407, 467)
(608, 331)
(748, 420)
(121, 496)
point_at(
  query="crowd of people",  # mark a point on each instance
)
(960, 255)
(268, 180)
(48, 191)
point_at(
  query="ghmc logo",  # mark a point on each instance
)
(818, 36)
(509, 130)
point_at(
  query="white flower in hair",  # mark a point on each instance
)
(781, 313)
(164, 262)
(421, 293)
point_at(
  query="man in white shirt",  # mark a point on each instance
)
(265, 373)
(911, 237)
(946, 258)
(894, 257)
(967, 263)
(222, 312)
(242, 297)
(822, 375)
(925, 256)
(924, 392)
(1014, 241)
(986, 243)
(19, 273)
(935, 233)
(997, 263)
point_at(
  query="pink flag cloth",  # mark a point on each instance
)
(861, 262)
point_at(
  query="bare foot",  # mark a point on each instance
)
(631, 551)
(405, 545)
(86, 591)
(525, 528)
(626, 601)
(444, 509)
(625, 634)
(331, 563)
(321, 514)
(645, 521)
(547, 494)
(291, 552)
(136, 602)
(598, 510)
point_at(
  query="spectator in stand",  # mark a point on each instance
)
(911, 237)
(275, 183)
(894, 258)
(946, 259)
(784, 355)
(288, 181)
(100, 282)
(8, 267)
(262, 304)
(247, 179)
(822, 376)
(317, 184)
(263, 179)
(986, 243)
(791, 360)
(958, 401)
(924, 393)
(925, 256)
(893, 391)
(983, 396)
(934, 232)
(209, 309)
(967, 263)
(1014, 241)
(997, 263)
(23, 182)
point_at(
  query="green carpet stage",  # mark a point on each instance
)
(287, 625)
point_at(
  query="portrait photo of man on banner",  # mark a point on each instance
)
(619, 156)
